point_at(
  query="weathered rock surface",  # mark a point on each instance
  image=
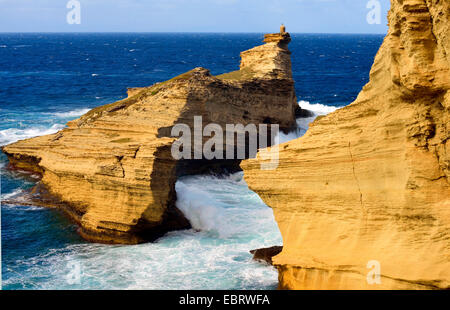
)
(371, 180)
(265, 255)
(112, 168)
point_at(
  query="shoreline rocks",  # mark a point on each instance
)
(265, 255)
(368, 185)
(112, 169)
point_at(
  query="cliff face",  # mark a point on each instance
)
(371, 180)
(112, 169)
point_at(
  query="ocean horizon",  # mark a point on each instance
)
(185, 32)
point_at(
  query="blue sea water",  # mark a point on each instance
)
(49, 79)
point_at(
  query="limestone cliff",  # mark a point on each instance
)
(112, 169)
(371, 180)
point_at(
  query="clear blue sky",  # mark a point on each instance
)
(309, 16)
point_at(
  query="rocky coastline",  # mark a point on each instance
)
(367, 185)
(112, 169)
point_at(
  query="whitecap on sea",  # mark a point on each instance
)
(73, 113)
(15, 134)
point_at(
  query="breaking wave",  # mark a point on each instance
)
(317, 108)
(228, 219)
(13, 194)
(74, 113)
(11, 135)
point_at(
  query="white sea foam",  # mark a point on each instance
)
(21, 208)
(11, 135)
(16, 194)
(200, 208)
(15, 134)
(13, 194)
(189, 259)
(317, 108)
(73, 113)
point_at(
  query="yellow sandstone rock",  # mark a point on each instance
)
(370, 182)
(113, 169)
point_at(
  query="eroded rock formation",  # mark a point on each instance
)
(113, 169)
(370, 182)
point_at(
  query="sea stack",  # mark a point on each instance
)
(365, 193)
(112, 169)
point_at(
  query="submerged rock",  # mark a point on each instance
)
(266, 254)
(303, 113)
(366, 190)
(112, 169)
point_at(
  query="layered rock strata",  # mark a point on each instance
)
(366, 190)
(112, 169)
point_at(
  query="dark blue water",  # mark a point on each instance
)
(49, 79)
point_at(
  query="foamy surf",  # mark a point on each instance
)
(71, 114)
(317, 108)
(12, 135)
(214, 255)
(15, 193)
(21, 208)
(200, 208)
(211, 204)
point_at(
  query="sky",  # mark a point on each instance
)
(299, 16)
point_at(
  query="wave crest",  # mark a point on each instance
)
(317, 108)
(12, 135)
(74, 113)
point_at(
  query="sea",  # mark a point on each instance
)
(48, 79)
